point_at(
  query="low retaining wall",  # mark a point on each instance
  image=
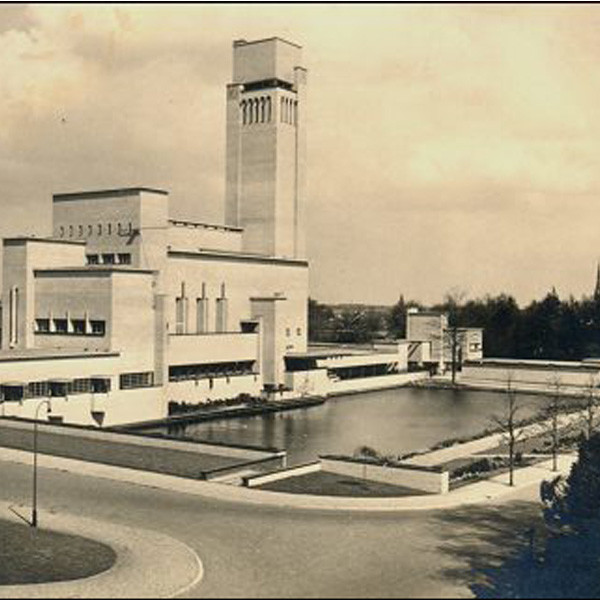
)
(262, 463)
(425, 479)
(576, 374)
(139, 440)
(257, 480)
(365, 384)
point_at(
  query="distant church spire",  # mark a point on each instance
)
(597, 289)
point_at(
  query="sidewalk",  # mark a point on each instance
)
(491, 490)
(141, 555)
(465, 449)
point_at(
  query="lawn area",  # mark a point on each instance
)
(29, 555)
(322, 483)
(159, 460)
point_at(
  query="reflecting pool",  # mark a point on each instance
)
(393, 421)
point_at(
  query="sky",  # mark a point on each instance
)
(450, 147)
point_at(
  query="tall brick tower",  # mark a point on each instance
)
(266, 147)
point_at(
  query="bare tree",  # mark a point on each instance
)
(507, 423)
(590, 405)
(555, 407)
(451, 336)
(454, 338)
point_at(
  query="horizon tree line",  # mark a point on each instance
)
(550, 328)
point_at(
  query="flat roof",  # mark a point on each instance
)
(92, 194)
(184, 223)
(267, 298)
(317, 354)
(239, 256)
(535, 362)
(95, 269)
(336, 351)
(53, 354)
(47, 240)
(242, 42)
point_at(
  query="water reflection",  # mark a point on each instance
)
(392, 421)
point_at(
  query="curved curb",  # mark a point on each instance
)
(192, 584)
(475, 493)
(141, 554)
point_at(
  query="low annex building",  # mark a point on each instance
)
(431, 340)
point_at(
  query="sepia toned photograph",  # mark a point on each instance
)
(299, 300)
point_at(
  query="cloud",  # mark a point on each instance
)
(424, 121)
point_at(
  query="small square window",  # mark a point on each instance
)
(108, 259)
(100, 385)
(124, 259)
(60, 325)
(42, 325)
(98, 327)
(78, 326)
(93, 259)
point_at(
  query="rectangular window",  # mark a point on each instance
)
(221, 316)
(201, 315)
(180, 315)
(12, 393)
(38, 389)
(79, 386)
(298, 331)
(42, 325)
(124, 258)
(61, 326)
(128, 381)
(78, 326)
(210, 370)
(108, 259)
(100, 385)
(58, 388)
(98, 327)
(92, 259)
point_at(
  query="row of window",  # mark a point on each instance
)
(81, 231)
(259, 110)
(63, 326)
(211, 370)
(122, 258)
(364, 371)
(69, 387)
(202, 312)
(54, 389)
(129, 381)
(202, 316)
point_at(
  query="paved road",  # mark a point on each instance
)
(266, 552)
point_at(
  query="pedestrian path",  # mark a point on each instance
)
(148, 565)
(495, 489)
(465, 449)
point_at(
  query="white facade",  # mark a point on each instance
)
(124, 310)
(432, 339)
(266, 147)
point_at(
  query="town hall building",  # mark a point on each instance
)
(124, 310)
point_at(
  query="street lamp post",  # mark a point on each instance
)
(34, 518)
